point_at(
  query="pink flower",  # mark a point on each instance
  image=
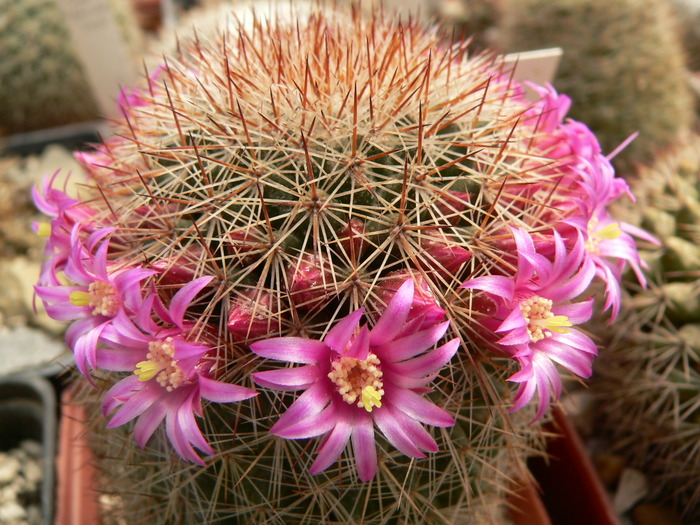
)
(610, 245)
(170, 375)
(65, 213)
(534, 316)
(98, 293)
(425, 310)
(356, 378)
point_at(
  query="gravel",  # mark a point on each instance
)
(20, 484)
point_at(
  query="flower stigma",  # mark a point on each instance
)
(541, 322)
(101, 296)
(359, 379)
(43, 229)
(161, 365)
(609, 232)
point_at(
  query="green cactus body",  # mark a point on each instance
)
(623, 66)
(649, 372)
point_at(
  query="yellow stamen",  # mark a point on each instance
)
(371, 398)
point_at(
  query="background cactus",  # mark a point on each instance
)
(623, 66)
(271, 181)
(44, 83)
(649, 372)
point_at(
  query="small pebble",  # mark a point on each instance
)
(9, 468)
(12, 511)
(20, 483)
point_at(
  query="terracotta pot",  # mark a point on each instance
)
(571, 489)
(76, 498)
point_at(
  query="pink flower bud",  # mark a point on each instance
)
(252, 316)
(181, 268)
(444, 258)
(452, 205)
(425, 309)
(352, 238)
(310, 282)
(242, 244)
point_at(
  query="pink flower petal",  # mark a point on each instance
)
(312, 426)
(184, 297)
(427, 363)
(148, 423)
(220, 392)
(393, 429)
(364, 446)
(137, 403)
(292, 349)
(359, 349)
(419, 408)
(411, 345)
(117, 394)
(297, 378)
(332, 447)
(394, 317)
(310, 403)
(339, 336)
(498, 285)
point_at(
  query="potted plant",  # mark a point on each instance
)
(321, 270)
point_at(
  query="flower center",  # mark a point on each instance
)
(161, 365)
(609, 232)
(541, 322)
(101, 296)
(359, 379)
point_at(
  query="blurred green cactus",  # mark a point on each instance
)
(649, 371)
(623, 66)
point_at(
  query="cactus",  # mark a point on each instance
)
(649, 373)
(335, 228)
(623, 65)
(44, 83)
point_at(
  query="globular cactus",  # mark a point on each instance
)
(44, 83)
(649, 371)
(335, 228)
(623, 66)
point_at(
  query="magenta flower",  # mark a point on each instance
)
(98, 293)
(355, 378)
(534, 316)
(610, 245)
(65, 213)
(170, 375)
